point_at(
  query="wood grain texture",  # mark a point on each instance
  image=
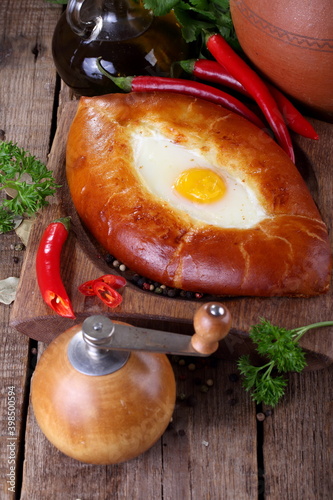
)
(210, 435)
(298, 440)
(28, 76)
(209, 451)
(26, 103)
(14, 369)
(82, 261)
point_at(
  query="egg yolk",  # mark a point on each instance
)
(200, 185)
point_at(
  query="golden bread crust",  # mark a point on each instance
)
(287, 253)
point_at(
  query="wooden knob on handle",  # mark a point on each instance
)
(212, 323)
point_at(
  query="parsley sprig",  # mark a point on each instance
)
(30, 181)
(283, 353)
(196, 17)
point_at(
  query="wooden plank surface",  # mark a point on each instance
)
(27, 89)
(210, 449)
(298, 440)
(208, 452)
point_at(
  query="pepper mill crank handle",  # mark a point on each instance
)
(212, 323)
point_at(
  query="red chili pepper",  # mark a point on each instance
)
(48, 268)
(214, 72)
(293, 118)
(180, 86)
(256, 87)
(107, 294)
(116, 282)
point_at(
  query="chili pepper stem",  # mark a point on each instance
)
(187, 65)
(123, 82)
(63, 220)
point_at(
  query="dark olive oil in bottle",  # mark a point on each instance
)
(152, 52)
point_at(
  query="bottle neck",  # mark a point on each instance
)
(111, 20)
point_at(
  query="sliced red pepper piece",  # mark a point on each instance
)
(107, 294)
(87, 288)
(48, 268)
(112, 280)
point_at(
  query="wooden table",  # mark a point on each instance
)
(219, 445)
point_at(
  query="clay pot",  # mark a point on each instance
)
(291, 43)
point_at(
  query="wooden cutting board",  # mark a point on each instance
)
(82, 260)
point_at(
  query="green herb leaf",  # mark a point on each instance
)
(280, 347)
(269, 390)
(197, 17)
(160, 8)
(249, 372)
(29, 180)
(191, 31)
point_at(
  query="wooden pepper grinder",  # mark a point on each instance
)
(103, 392)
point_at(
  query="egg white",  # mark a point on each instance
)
(159, 162)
